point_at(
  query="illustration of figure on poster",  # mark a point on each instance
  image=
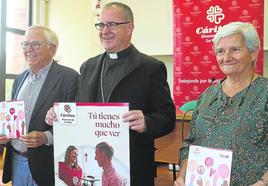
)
(69, 170)
(78, 166)
(110, 176)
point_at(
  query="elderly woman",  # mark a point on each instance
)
(233, 114)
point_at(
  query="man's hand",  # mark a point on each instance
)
(4, 139)
(179, 182)
(136, 120)
(34, 139)
(50, 117)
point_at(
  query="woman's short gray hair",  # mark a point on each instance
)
(247, 30)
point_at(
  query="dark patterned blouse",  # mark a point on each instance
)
(238, 123)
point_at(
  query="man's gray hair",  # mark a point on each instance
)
(126, 9)
(50, 35)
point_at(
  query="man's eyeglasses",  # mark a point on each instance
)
(34, 45)
(109, 25)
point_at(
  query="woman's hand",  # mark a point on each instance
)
(259, 183)
(179, 182)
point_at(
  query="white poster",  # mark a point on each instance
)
(81, 134)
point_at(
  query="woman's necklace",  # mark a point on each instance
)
(229, 100)
(244, 96)
(231, 91)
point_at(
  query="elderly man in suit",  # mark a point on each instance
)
(29, 159)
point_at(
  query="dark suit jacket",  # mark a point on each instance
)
(144, 86)
(60, 85)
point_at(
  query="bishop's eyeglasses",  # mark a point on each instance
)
(109, 25)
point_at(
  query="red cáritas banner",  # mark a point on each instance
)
(195, 24)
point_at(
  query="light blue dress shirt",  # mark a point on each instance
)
(29, 92)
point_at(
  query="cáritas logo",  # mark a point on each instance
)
(215, 15)
(67, 108)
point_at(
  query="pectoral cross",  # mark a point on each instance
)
(86, 155)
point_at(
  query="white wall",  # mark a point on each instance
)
(153, 25)
(73, 21)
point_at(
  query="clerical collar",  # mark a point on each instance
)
(120, 54)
